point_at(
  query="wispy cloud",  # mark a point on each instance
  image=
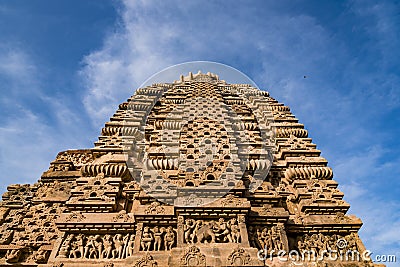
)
(29, 138)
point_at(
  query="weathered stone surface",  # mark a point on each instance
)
(194, 173)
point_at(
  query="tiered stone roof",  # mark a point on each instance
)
(198, 172)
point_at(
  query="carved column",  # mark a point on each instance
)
(138, 237)
(180, 232)
(244, 238)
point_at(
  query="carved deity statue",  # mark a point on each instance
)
(169, 238)
(147, 239)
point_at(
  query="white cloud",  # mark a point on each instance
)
(17, 71)
(29, 141)
(25, 145)
(152, 36)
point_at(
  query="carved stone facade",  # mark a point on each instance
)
(198, 172)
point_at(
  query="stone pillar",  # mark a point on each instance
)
(180, 232)
(56, 248)
(244, 238)
(138, 237)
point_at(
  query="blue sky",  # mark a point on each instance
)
(65, 66)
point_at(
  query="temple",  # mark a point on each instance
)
(198, 172)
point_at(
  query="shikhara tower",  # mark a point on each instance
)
(198, 172)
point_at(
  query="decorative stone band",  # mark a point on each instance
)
(173, 125)
(308, 173)
(162, 164)
(175, 100)
(287, 132)
(246, 126)
(279, 107)
(139, 106)
(111, 170)
(259, 164)
(235, 102)
(149, 91)
(124, 130)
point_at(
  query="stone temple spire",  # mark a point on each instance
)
(198, 172)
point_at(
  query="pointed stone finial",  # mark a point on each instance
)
(191, 75)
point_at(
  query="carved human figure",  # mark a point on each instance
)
(13, 255)
(306, 242)
(169, 238)
(73, 253)
(352, 242)
(222, 231)
(314, 243)
(300, 246)
(331, 243)
(124, 249)
(276, 238)
(98, 244)
(130, 246)
(235, 230)
(188, 228)
(147, 239)
(92, 252)
(80, 245)
(40, 256)
(118, 244)
(108, 244)
(157, 238)
(89, 246)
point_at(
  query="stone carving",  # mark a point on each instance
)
(157, 238)
(320, 243)
(211, 231)
(118, 246)
(41, 255)
(193, 257)
(55, 189)
(77, 157)
(13, 255)
(193, 200)
(308, 173)
(230, 200)
(146, 261)
(75, 216)
(286, 132)
(113, 170)
(154, 208)
(122, 216)
(170, 144)
(239, 257)
(269, 239)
